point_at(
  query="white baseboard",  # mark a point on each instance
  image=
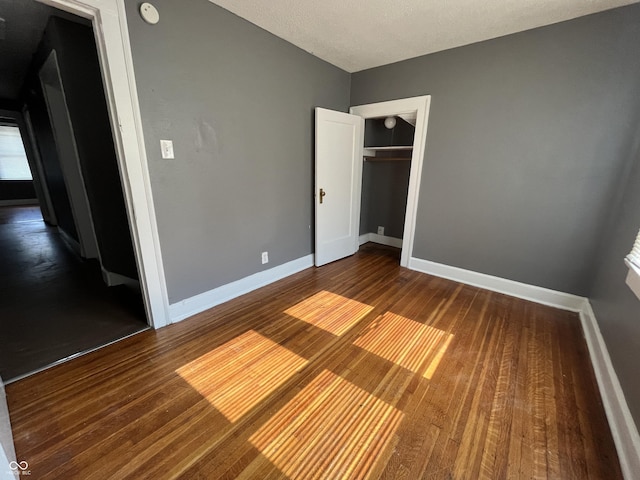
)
(623, 428)
(112, 279)
(381, 239)
(199, 303)
(545, 296)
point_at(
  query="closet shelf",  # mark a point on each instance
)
(395, 153)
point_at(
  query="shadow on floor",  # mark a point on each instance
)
(54, 305)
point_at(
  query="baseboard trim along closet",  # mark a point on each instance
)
(623, 428)
(545, 296)
(381, 239)
(203, 301)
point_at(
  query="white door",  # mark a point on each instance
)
(339, 143)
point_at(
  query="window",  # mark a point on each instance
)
(13, 159)
(633, 262)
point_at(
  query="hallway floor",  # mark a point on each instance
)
(53, 305)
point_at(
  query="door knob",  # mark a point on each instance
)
(322, 194)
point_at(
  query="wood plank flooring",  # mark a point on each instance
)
(359, 369)
(54, 305)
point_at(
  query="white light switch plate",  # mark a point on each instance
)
(166, 146)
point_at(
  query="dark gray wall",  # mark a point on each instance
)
(384, 197)
(385, 184)
(615, 306)
(527, 137)
(238, 103)
(17, 190)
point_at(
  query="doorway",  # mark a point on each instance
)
(111, 36)
(338, 173)
(388, 143)
(68, 285)
(401, 156)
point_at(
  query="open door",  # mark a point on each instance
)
(339, 143)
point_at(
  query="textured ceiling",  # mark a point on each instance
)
(359, 34)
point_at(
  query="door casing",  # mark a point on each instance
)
(109, 22)
(420, 106)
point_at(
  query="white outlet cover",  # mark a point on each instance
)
(149, 13)
(166, 147)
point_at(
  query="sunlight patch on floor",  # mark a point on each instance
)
(330, 429)
(236, 376)
(330, 312)
(406, 342)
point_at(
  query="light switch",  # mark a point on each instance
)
(166, 146)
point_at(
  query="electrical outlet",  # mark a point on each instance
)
(166, 147)
(265, 257)
(380, 230)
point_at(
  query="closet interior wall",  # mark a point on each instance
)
(385, 183)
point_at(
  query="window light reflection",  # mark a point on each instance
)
(330, 312)
(236, 376)
(330, 429)
(406, 342)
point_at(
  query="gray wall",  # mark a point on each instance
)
(385, 186)
(527, 138)
(616, 307)
(238, 103)
(17, 190)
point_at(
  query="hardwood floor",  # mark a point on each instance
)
(54, 305)
(359, 369)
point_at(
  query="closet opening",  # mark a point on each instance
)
(393, 155)
(388, 147)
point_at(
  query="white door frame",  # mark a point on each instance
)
(420, 106)
(114, 52)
